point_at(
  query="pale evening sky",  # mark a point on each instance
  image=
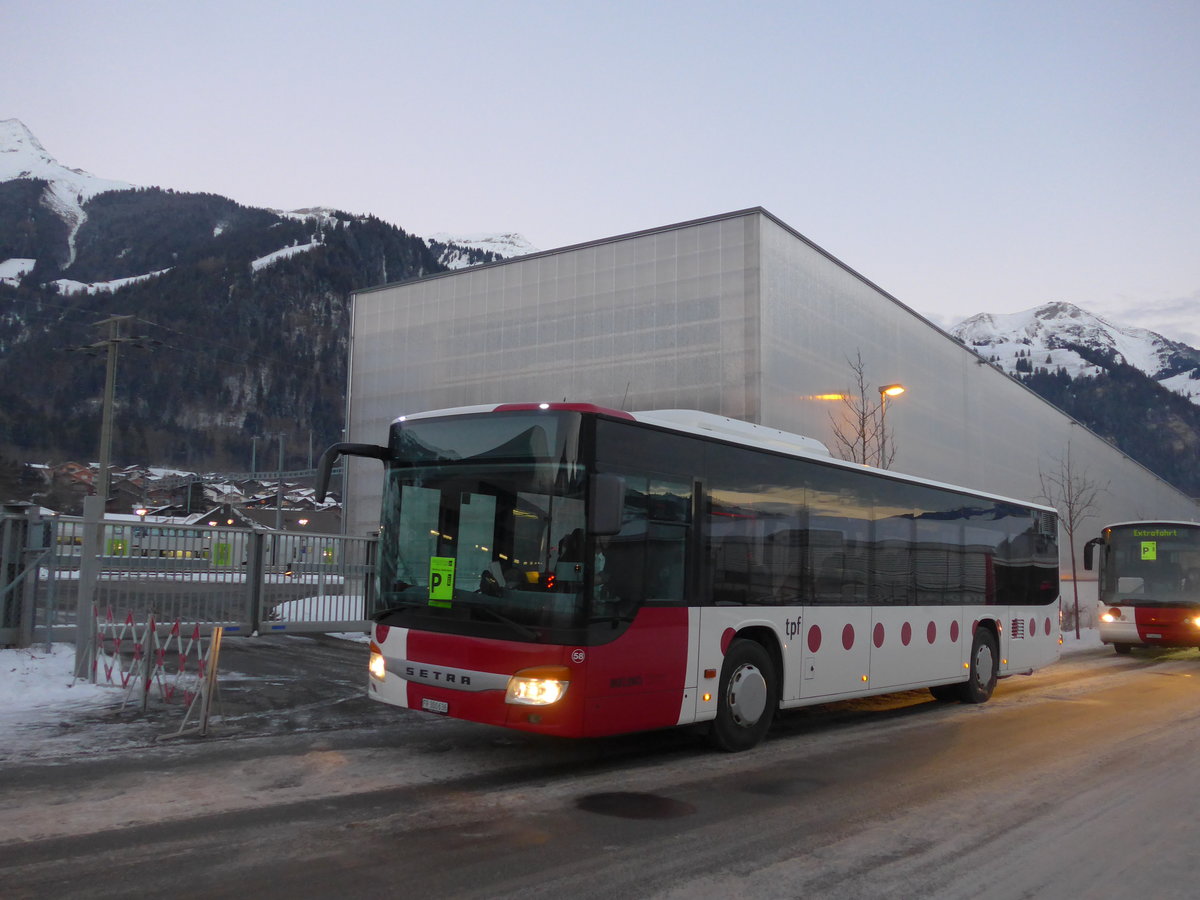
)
(965, 156)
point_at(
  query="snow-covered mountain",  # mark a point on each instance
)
(1052, 335)
(454, 251)
(238, 314)
(68, 190)
(23, 156)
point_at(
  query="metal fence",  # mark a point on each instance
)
(245, 580)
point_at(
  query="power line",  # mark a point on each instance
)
(241, 358)
(209, 349)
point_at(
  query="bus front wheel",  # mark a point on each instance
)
(746, 698)
(1122, 648)
(984, 667)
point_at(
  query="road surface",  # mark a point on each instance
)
(1078, 781)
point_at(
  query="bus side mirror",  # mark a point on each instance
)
(1089, 552)
(325, 468)
(607, 504)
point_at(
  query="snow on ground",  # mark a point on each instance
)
(263, 261)
(40, 701)
(13, 270)
(36, 682)
(67, 287)
(321, 608)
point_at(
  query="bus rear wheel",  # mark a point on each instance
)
(984, 668)
(746, 698)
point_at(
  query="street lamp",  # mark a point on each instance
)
(888, 390)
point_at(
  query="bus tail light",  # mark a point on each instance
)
(377, 665)
(539, 686)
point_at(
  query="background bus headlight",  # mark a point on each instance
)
(538, 687)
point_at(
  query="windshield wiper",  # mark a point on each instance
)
(394, 608)
(404, 605)
(1165, 601)
(523, 630)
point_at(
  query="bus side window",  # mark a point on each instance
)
(647, 559)
(755, 530)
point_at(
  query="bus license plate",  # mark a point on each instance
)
(437, 706)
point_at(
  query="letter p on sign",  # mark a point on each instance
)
(441, 580)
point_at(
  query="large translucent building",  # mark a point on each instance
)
(736, 314)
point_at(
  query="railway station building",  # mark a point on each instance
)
(735, 314)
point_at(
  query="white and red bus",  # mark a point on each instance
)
(580, 571)
(1149, 584)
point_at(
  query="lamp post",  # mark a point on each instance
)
(888, 390)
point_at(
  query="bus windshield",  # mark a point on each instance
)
(483, 528)
(1152, 564)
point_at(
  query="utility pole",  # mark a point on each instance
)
(108, 345)
(94, 506)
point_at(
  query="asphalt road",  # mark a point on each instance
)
(1077, 781)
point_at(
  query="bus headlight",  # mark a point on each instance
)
(1110, 615)
(540, 686)
(377, 666)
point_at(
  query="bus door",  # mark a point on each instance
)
(836, 646)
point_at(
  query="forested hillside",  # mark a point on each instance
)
(228, 348)
(1146, 421)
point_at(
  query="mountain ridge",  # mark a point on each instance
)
(1050, 335)
(1132, 386)
(241, 314)
(68, 190)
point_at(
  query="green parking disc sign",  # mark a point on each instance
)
(441, 580)
(1149, 551)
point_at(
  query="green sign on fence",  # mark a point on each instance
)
(222, 554)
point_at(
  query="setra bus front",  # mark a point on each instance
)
(492, 603)
(1149, 580)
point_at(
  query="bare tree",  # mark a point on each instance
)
(861, 430)
(1070, 490)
